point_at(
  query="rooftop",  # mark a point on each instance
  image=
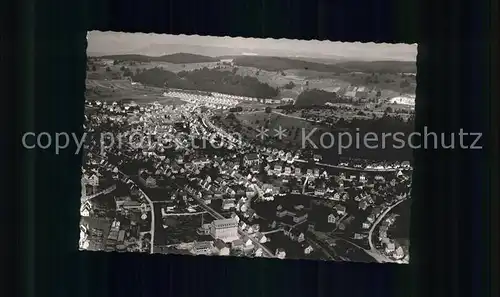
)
(223, 222)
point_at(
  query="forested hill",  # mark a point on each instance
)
(209, 80)
(315, 97)
(280, 64)
(380, 66)
(178, 58)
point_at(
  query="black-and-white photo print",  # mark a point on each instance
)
(248, 147)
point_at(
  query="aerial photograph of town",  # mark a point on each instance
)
(247, 147)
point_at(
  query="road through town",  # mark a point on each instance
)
(373, 249)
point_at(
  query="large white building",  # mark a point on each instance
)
(225, 229)
(404, 100)
(227, 61)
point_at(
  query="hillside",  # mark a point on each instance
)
(315, 97)
(380, 66)
(280, 64)
(207, 80)
(178, 58)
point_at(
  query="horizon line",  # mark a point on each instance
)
(340, 59)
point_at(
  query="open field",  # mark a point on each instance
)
(271, 121)
(123, 90)
(388, 83)
(134, 66)
(273, 78)
(272, 63)
(180, 229)
(259, 118)
(388, 74)
(178, 58)
(349, 112)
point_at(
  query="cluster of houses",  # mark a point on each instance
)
(90, 180)
(371, 166)
(234, 192)
(226, 237)
(209, 100)
(298, 214)
(110, 237)
(225, 241)
(363, 93)
(217, 100)
(391, 247)
(136, 209)
(358, 92)
(254, 99)
(221, 248)
(236, 189)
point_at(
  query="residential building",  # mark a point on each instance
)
(228, 204)
(398, 253)
(121, 235)
(150, 182)
(358, 236)
(251, 159)
(308, 250)
(301, 237)
(363, 205)
(261, 238)
(341, 210)
(259, 252)
(203, 248)
(237, 244)
(280, 253)
(221, 247)
(300, 217)
(287, 101)
(248, 245)
(298, 171)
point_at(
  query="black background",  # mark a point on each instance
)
(450, 241)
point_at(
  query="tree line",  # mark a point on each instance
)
(315, 97)
(208, 80)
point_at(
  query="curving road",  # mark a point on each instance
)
(373, 249)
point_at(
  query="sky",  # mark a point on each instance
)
(107, 43)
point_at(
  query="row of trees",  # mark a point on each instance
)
(315, 97)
